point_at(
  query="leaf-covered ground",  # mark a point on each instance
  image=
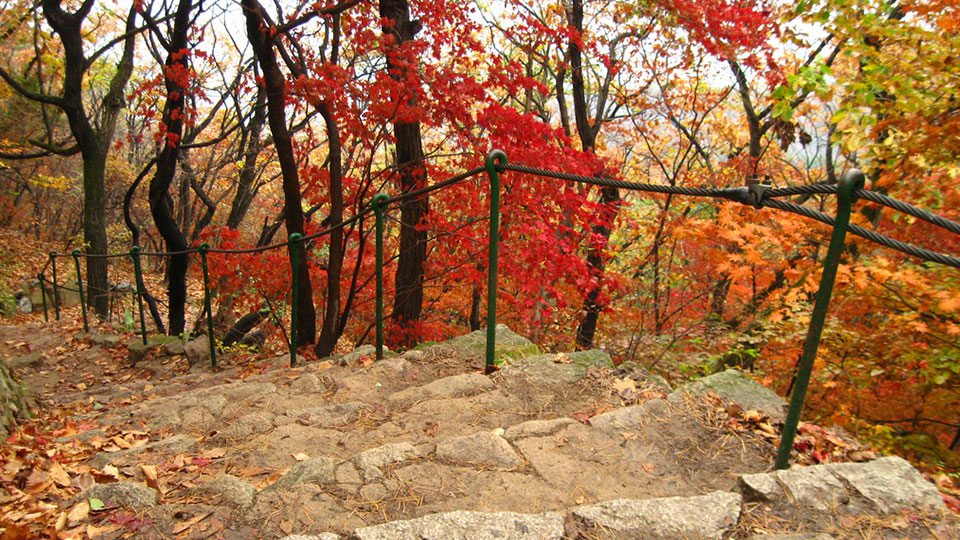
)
(256, 419)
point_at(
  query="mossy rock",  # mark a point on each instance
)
(559, 367)
(105, 340)
(734, 386)
(13, 404)
(510, 346)
(17, 362)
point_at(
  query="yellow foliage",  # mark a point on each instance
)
(59, 183)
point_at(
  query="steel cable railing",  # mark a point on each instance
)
(872, 196)
(848, 190)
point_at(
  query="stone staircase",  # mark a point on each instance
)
(424, 446)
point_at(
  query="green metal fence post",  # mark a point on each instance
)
(850, 181)
(83, 303)
(56, 291)
(43, 296)
(379, 202)
(138, 274)
(494, 158)
(203, 249)
(295, 266)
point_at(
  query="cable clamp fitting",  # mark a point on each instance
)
(757, 194)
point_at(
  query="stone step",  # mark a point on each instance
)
(423, 446)
(883, 486)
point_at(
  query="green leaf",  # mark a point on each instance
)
(782, 92)
(783, 110)
(96, 504)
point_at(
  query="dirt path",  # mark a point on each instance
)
(260, 450)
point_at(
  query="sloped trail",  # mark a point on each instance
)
(357, 448)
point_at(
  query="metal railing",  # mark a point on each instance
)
(848, 190)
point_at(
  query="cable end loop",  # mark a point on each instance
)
(853, 179)
(495, 161)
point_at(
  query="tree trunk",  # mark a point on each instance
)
(243, 326)
(95, 230)
(330, 332)
(408, 299)
(609, 196)
(596, 264)
(475, 309)
(274, 85)
(161, 206)
(93, 142)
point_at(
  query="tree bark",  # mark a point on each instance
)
(274, 86)
(609, 196)
(243, 326)
(175, 69)
(330, 332)
(93, 141)
(408, 299)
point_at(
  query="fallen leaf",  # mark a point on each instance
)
(84, 481)
(96, 504)
(37, 480)
(130, 521)
(623, 384)
(70, 533)
(943, 481)
(111, 470)
(766, 428)
(648, 467)
(80, 511)
(61, 522)
(300, 456)
(214, 453)
(561, 358)
(121, 442)
(834, 440)
(862, 455)
(582, 417)
(150, 474)
(10, 469)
